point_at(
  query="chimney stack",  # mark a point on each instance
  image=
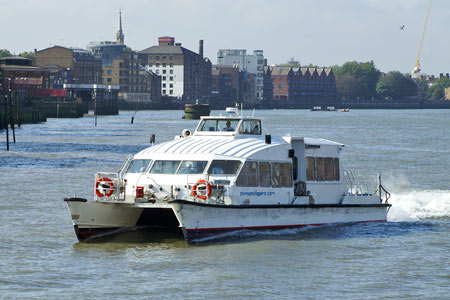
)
(200, 48)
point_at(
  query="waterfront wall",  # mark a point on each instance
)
(29, 112)
(64, 108)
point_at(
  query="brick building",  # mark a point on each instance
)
(84, 66)
(299, 86)
(120, 67)
(184, 74)
(19, 76)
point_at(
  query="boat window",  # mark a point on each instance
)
(138, 165)
(264, 174)
(281, 174)
(320, 166)
(336, 169)
(325, 169)
(322, 169)
(250, 127)
(224, 167)
(218, 125)
(192, 167)
(310, 168)
(329, 169)
(165, 167)
(248, 175)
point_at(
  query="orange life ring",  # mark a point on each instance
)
(110, 189)
(206, 184)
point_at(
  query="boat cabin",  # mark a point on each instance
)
(235, 164)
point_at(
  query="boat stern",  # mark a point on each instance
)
(96, 219)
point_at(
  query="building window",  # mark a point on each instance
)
(150, 57)
(164, 65)
(171, 57)
(157, 57)
(164, 71)
(157, 64)
(171, 78)
(157, 71)
(171, 92)
(164, 78)
(164, 85)
(171, 85)
(164, 91)
(164, 58)
(171, 65)
(109, 72)
(108, 80)
(171, 71)
(280, 85)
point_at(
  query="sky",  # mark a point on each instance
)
(319, 32)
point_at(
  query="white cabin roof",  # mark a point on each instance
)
(206, 147)
(235, 147)
(319, 141)
(222, 144)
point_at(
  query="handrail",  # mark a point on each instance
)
(361, 183)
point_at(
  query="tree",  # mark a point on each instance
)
(366, 73)
(348, 87)
(436, 90)
(27, 54)
(395, 85)
(422, 89)
(4, 53)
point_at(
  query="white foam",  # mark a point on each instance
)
(418, 205)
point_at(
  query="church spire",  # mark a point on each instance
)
(119, 35)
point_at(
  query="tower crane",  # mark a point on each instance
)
(416, 70)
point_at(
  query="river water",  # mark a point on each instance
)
(405, 258)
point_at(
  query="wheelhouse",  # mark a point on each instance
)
(228, 126)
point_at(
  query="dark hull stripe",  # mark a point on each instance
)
(192, 235)
(313, 206)
(85, 234)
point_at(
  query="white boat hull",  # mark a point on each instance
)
(202, 220)
(96, 219)
(199, 220)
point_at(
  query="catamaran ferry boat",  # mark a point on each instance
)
(229, 175)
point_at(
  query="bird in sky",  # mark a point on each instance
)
(402, 27)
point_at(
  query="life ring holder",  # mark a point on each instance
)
(104, 180)
(205, 183)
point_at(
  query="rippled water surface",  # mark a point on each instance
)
(405, 258)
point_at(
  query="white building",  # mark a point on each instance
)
(247, 63)
(184, 73)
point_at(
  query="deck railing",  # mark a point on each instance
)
(362, 183)
(367, 184)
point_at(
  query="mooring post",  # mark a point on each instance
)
(95, 108)
(6, 122)
(11, 106)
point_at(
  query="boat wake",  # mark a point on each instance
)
(419, 205)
